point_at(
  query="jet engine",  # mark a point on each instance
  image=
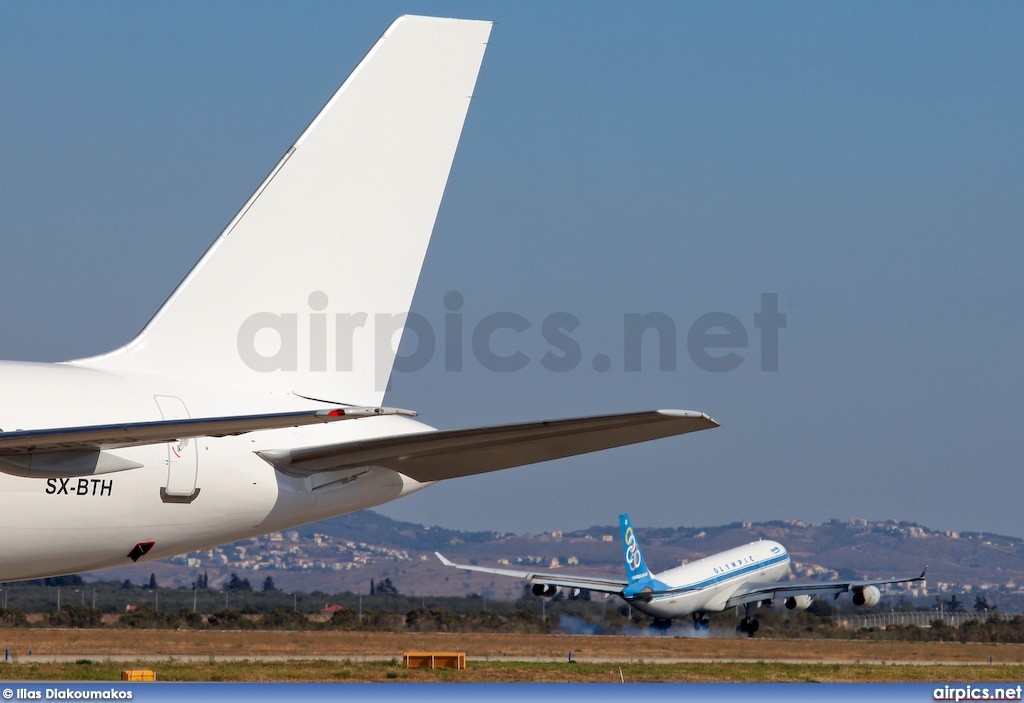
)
(798, 602)
(547, 590)
(867, 596)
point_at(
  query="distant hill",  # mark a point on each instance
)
(368, 526)
(345, 553)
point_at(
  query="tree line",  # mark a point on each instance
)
(370, 619)
(623, 620)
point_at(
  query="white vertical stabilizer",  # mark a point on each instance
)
(301, 291)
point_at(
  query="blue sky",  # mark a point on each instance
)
(863, 161)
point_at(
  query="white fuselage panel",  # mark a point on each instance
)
(705, 586)
(209, 492)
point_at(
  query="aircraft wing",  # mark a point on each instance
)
(602, 584)
(434, 456)
(99, 437)
(770, 591)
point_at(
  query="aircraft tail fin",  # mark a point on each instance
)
(636, 568)
(306, 289)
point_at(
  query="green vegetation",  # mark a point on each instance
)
(70, 602)
(238, 594)
(75, 616)
(567, 617)
(806, 625)
(12, 618)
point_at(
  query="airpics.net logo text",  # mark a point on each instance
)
(715, 342)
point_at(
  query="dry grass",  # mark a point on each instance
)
(598, 658)
(311, 645)
(523, 672)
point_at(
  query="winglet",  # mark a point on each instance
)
(921, 577)
(689, 414)
(443, 560)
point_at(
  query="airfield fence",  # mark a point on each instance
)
(918, 618)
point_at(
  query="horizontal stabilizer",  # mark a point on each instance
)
(94, 437)
(65, 464)
(434, 456)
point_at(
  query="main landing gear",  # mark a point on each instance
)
(701, 622)
(660, 625)
(748, 624)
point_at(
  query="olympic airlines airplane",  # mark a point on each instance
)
(749, 576)
(252, 400)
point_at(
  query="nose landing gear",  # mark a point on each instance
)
(701, 622)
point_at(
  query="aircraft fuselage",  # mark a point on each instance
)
(225, 492)
(705, 586)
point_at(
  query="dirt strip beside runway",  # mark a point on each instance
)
(18, 642)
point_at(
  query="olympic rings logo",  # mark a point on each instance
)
(632, 552)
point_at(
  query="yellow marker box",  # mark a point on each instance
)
(138, 675)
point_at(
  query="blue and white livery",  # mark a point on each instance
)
(749, 576)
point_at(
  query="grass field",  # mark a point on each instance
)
(220, 656)
(311, 670)
(101, 643)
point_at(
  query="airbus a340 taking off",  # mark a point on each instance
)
(223, 418)
(749, 576)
